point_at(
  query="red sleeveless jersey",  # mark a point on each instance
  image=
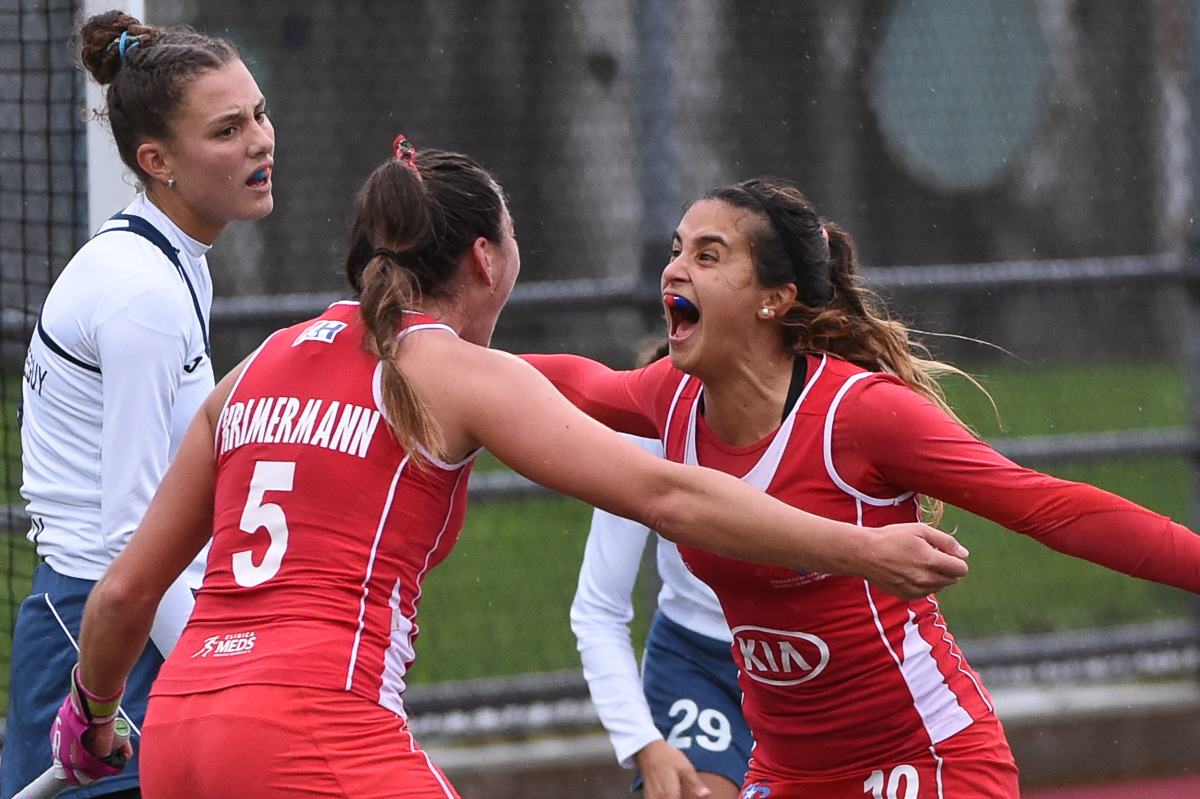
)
(324, 527)
(837, 675)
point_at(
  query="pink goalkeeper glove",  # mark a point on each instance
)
(81, 713)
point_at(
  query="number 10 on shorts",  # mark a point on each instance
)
(880, 779)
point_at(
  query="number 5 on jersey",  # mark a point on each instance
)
(268, 476)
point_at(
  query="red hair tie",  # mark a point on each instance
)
(405, 153)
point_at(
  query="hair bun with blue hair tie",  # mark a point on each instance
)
(124, 44)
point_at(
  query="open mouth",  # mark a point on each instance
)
(259, 178)
(682, 316)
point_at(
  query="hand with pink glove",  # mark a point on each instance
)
(84, 726)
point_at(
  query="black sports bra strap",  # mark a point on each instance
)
(799, 376)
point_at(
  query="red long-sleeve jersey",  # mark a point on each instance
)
(837, 675)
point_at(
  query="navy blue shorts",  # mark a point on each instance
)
(42, 659)
(691, 684)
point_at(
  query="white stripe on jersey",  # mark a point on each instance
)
(940, 762)
(683, 381)
(434, 770)
(397, 656)
(958, 658)
(400, 652)
(362, 602)
(828, 447)
(939, 709)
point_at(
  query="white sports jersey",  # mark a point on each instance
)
(113, 378)
(603, 609)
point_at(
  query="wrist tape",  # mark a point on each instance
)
(96, 709)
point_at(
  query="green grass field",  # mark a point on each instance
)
(499, 603)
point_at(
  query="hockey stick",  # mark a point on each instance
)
(51, 783)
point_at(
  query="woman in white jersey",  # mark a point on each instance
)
(324, 519)
(680, 722)
(119, 362)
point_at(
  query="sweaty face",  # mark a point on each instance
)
(710, 291)
(221, 153)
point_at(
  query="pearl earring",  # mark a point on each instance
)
(765, 313)
(170, 183)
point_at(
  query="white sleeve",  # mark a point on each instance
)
(142, 344)
(173, 612)
(600, 617)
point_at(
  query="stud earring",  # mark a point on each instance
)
(170, 183)
(766, 313)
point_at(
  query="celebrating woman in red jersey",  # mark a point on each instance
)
(786, 373)
(330, 470)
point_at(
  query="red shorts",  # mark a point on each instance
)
(271, 742)
(973, 764)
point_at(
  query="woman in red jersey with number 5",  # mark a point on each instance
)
(330, 470)
(786, 373)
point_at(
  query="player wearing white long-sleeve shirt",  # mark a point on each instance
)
(690, 697)
(102, 418)
(115, 371)
(120, 362)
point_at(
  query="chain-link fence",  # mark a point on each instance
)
(43, 208)
(935, 131)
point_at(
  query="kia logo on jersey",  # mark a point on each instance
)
(779, 657)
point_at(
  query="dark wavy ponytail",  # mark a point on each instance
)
(791, 243)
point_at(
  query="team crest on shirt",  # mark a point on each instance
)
(756, 790)
(322, 330)
(228, 645)
(779, 657)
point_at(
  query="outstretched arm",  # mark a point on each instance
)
(498, 401)
(605, 394)
(912, 444)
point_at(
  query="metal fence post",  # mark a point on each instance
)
(658, 184)
(1191, 260)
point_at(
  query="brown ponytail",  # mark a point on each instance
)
(414, 220)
